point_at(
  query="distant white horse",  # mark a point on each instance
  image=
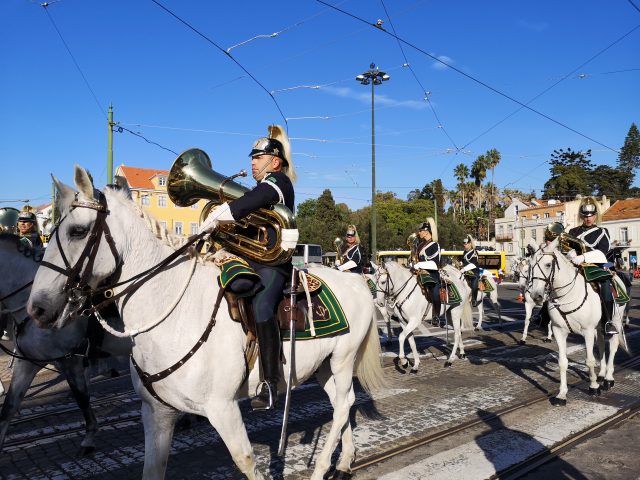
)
(169, 315)
(493, 296)
(521, 273)
(400, 291)
(574, 308)
(36, 347)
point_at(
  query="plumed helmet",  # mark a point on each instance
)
(589, 206)
(352, 231)
(276, 143)
(553, 230)
(468, 239)
(431, 227)
(27, 215)
(8, 219)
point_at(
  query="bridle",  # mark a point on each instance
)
(77, 286)
(392, 299)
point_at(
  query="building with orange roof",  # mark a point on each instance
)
(623, 222)
(149, 190)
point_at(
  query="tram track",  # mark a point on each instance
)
(522, 468)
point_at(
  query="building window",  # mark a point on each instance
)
(510, 230)
(500, 231)
(533, 234)
(177, 228)
(145, 200)
(193, 228)
(546, 214)
(162, 200)
(162, 181)
(624, 235)
(510, 247)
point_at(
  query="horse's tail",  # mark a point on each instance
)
(368, 367)
(467, 316)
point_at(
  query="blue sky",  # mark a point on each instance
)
(173, 87)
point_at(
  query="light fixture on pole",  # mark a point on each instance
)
(373, 76)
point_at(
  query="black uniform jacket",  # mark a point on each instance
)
(595, 237)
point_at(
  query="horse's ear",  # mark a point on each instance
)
(65, 194)
(83, 182)
(123, 185)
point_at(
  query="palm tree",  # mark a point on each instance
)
(479, 173)
(492, 159)
(461, 173)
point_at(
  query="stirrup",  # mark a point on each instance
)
(265, 400)
(610, 329)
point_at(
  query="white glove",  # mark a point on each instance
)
(220, 214)
(571, 254)
(577, 260)
(347, 266)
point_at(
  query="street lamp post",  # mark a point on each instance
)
(374, 77)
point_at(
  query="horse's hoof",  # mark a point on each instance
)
(476, 329)
(462, 356)
(558, 402)
(86, 451)
(522, 342)
(398, 365)
(413, 370)
(448, 363)
(594, 392)
(607, 384)
(546, 340)
(600, 379)
(340, 475)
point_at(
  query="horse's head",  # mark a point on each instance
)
(81, 253)
(381, 280)
(543, 265)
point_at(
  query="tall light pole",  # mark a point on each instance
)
(374, 77)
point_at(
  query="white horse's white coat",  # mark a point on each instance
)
(399, 290)
(555, 277)
(493, 296)
(521, 269)
(213, 380)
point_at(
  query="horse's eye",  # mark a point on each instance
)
(78, 232)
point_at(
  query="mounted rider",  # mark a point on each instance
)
(471, 267)
(598, 241)
(428, 251)
(28, 228)
(352, 255)
(272, 168)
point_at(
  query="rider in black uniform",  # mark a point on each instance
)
(429, 260)
(597, 239)
(272, 168)
(28, 228)
(471, 267)
(352, 258)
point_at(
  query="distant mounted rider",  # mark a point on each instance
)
(428, 251)
(471, 267)
(28, 228)
(352, 257)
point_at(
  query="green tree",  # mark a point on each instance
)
(629, 159)
(492, 159)
(571, 174)
(479, 173)
(321, 220)
(461, 173)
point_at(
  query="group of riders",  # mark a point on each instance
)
(274, 172)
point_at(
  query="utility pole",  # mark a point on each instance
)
(110, 146)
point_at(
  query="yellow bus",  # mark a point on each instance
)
(491, 261)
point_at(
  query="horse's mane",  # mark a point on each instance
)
(159, 231)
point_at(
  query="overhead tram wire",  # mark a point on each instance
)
(424, 90)
(195, 30)
(634, 5)
(470, 77)
(568, 75)
(86, 82)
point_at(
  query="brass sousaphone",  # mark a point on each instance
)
(257, 237)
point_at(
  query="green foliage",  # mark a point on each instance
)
(570, 174)
(321, 221)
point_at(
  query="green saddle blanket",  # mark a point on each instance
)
(487, 285)
(232, 268)
(329, 318)
(453, 295)
(425, 279)
(619, 293)
(372, 287)
(594, 273)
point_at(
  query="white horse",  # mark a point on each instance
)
(400, 291)
(380, 303)
(574, 307)
(170, 322)
(36, 347)
(493, 296)
(521, 273)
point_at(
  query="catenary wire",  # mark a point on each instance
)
(470, 77)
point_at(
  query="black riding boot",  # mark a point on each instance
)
(474, 297)
(609, 327)
(269, 344)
